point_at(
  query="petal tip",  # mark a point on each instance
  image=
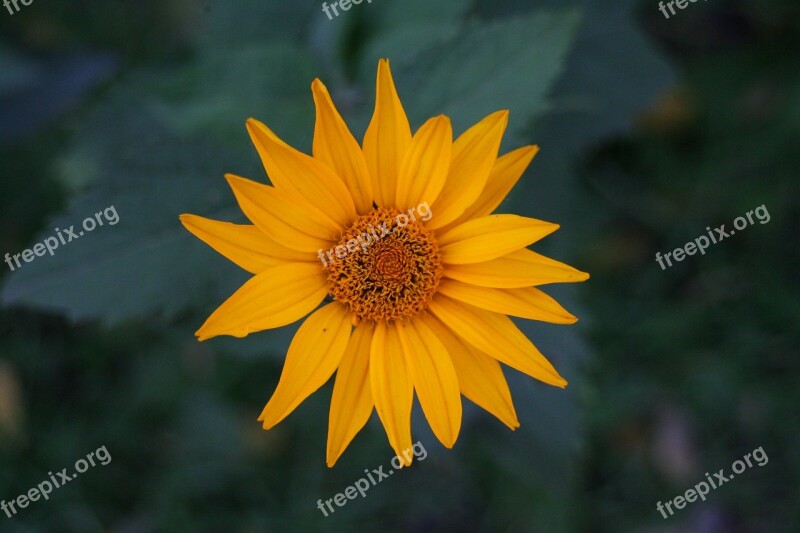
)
(529, 152)
(267, 422)
(201, 330)
(385, 70)
(203, 333)
(332, 458)
(318, 88)
(501, 116)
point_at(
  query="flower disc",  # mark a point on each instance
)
(385, 276)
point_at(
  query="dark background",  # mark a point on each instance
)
(651, 129)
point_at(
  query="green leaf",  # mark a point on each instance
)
(612, 73)
(146, 264)
(403, 30)
(216, 94)
(158, 147)
(231, 24)
(507, 65)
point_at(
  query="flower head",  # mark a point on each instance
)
(398, 235)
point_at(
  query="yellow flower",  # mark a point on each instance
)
(399, 233)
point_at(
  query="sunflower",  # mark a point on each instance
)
(392, 250)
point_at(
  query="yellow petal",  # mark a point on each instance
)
(479, 376)
(301, 176)
(487, 238)
(286, 220)
(245, 245)
(391, 386)
(316, 350)
(335, 146)
(474, 154)
(507, 170)
(522, 268)
(525, 302)
(276, 297)
(351, 403)
(434, 379)
(496, 336)
(424, 168)
(387, 138)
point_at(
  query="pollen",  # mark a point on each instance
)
(387, 266)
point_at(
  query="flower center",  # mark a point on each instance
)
(386, 266)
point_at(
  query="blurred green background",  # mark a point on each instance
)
(651, 129)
